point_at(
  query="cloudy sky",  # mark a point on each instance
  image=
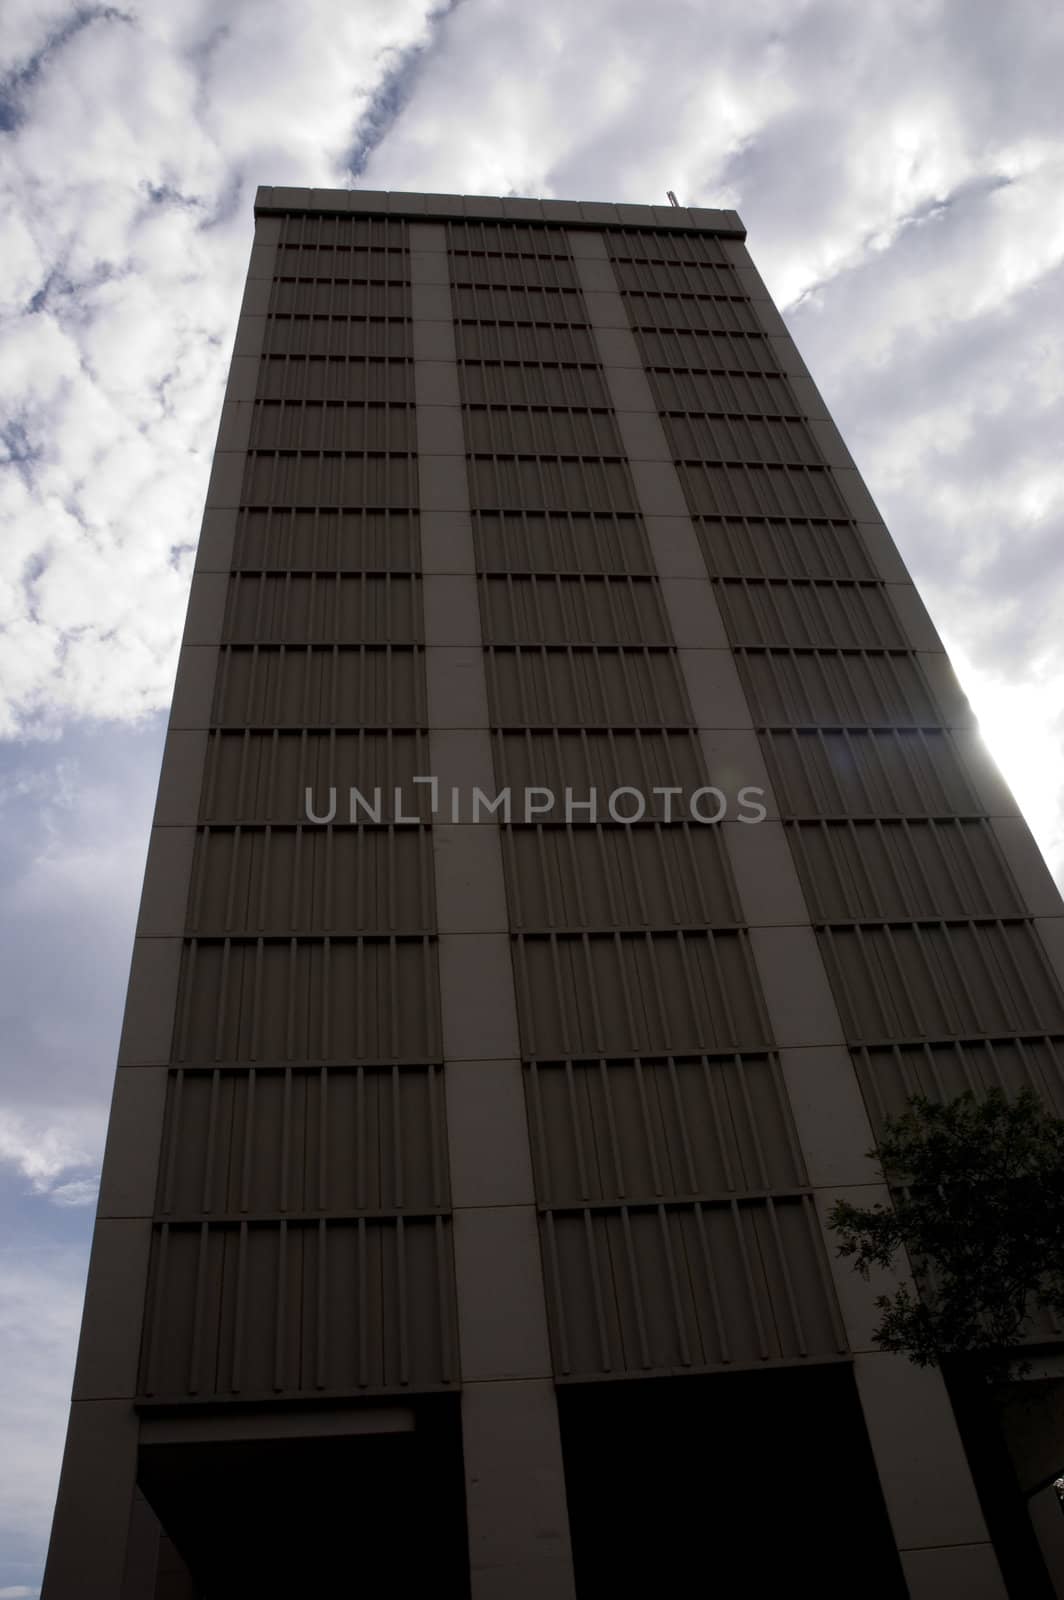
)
(899, 167)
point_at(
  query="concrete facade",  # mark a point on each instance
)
(434, 1122)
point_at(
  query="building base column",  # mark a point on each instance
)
(518, 1523)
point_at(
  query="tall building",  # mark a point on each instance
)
(571, 844)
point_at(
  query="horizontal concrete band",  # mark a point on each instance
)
(273, 202)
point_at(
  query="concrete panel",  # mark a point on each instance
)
(959, 1572)
(243, 378)
(109, 1349)
(587, 246)
(234, 431)
(605, 308)
(674, 546)
(522, 208)
(800, 1003)
(714, 221)
(250, 336)
(330, 200)
(178, 801)
(734, 761)
(476, 982)
(769, 318)
(197, 667)
(429, 266)
(433, 341)
(617, 348)
(217, 536)
(257, 294)
(926, 1483)
(487, 1132)
(430, 302)
(439, 428)
(657, 487)
(447, 542)
(483, 205)
(1051, 932)
(436, 384)
(635, 216)
(736, 253)
(86, 1558)
(1028, 867)
(227, 479)
(263, 263)
(810, 401)
(134, 1135)
(427, 238)
(641, 432)
(713, 688)
(267, 229)
(164, 898)
(457, 696)
(883, 552)
(452, 610)
(515, 1493)
(206, 608)
(369, 201)
(502, 1327)
(445, 205)
(829, 1113)
(442, 483)
(854, 491)
(787, 355)
(694, 615)
(751, 281)
(596, 274)
(630, 391)
(470, 895)
(913, 616)
(764, 874)
(150, 1003)
(561, 210)
(600, 212)
(829, 440)
(461, 760)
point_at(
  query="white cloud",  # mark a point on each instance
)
(50, 1146)
(40, 1308)
(73, 822)
(139, 138)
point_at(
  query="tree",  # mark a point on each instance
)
(978, 1190)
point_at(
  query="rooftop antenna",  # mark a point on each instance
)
(672, 198)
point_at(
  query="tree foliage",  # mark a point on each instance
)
(978, 1190)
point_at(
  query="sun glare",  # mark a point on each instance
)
(1021, 725)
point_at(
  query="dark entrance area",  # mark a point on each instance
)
(366, 1515)
(1013, 1435)
(761, 1481)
